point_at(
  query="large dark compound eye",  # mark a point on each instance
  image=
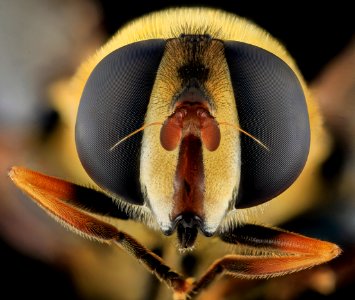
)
(113, 104)
(271, 106)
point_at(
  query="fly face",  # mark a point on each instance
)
(233, 129)
(187, 128)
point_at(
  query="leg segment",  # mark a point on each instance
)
(60, 199)
(273, 252)
(276, 241)
(39, 187)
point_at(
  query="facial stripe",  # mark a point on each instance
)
(159, 167)
(189, 179)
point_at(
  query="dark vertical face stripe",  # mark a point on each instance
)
(271, 106)
(113, 105)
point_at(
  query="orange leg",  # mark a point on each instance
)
(60, 199)
(274, 252)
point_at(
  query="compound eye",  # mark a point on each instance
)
(271, 106)
(113, 104)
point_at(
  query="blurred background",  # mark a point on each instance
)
(42, 42)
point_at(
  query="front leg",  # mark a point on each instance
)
(273, 252)
(66, 202)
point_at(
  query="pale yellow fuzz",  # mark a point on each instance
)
(221, 25)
